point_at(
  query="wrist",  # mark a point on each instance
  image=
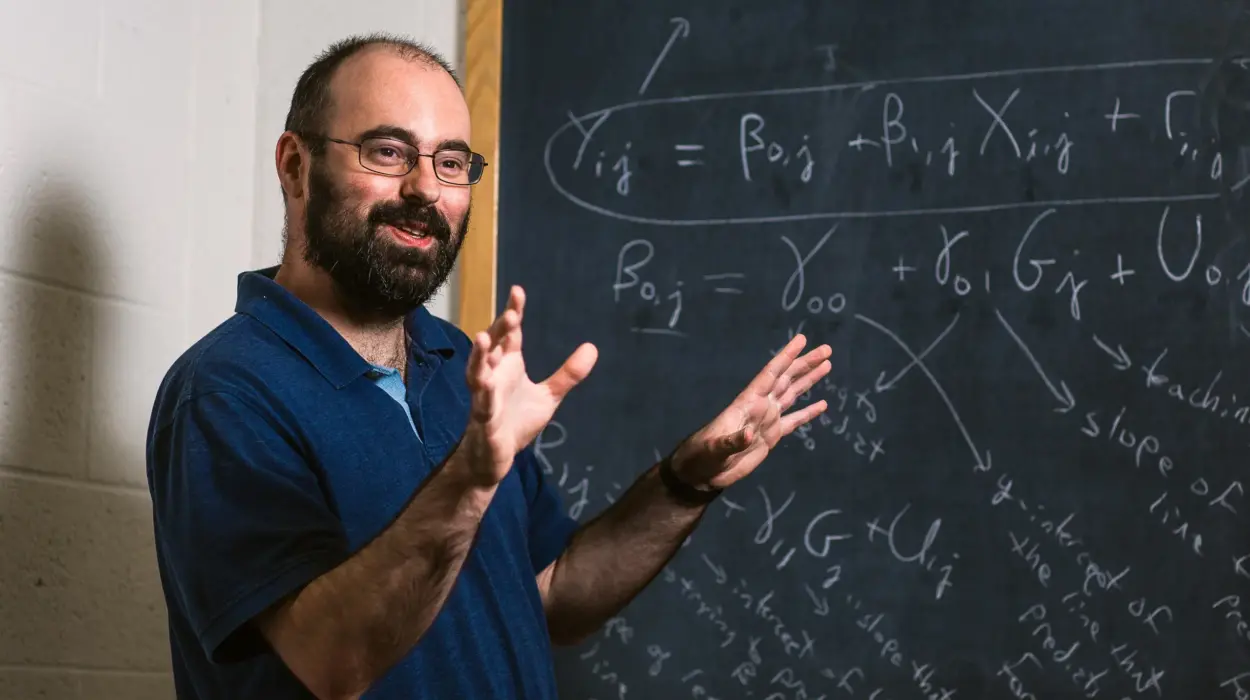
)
(682, 490)
(479, 462)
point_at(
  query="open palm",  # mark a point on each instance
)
(508, 408)
(734, 443)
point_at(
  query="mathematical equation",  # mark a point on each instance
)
(1087, 625)
(899, 148)
(1045, 260)
(1015, 222)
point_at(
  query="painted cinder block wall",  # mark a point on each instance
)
(136, 181)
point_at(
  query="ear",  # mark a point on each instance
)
(291, 157)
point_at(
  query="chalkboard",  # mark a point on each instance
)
(1021, 225)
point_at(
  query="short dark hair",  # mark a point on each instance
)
(311, 99)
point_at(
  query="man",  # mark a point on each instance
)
(346, 500)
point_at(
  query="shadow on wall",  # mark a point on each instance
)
(80, 609)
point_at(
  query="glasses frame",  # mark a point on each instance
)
(360, 158)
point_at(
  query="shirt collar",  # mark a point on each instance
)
(260, 297)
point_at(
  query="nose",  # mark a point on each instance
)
(422, 183)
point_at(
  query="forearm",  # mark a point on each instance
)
(613, 557)
(346, 628)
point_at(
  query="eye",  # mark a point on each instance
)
(384, 154)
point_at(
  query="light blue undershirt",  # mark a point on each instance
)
(388, 379)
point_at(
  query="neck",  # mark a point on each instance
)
(380, 341)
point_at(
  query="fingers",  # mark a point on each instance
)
(801, 375)
(576, 368)
(476, 368)
(489, 347)
(790, 421)
(478, 374)
(766, 380)
(505, 331)
(511, 339)
(804, 382)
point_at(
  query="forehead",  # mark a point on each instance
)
(378, 87)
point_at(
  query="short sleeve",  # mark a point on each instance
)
(240, 518)
(550, 527)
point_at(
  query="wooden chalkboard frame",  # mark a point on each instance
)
(483, 58)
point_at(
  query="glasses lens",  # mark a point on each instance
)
(454, 167)
(386, 156)
(476, 164)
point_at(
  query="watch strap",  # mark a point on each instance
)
(681, 490)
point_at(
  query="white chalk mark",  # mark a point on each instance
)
(724, 276)
(689, 163)
(659, 331)
(688, 147)
(817, 216)
(864, 86)
(997, 116)
(982, 463)
(1117, 116)
(586, 135)
(1063, 395)
(880, 386)
(821, 604)
(1167, 109)
(920, 80)
(716, 570)
(682, 30)
(727, 290)
(1122, 361)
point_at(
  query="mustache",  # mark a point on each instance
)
(403, 213)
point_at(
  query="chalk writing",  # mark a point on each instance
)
(1033, 271)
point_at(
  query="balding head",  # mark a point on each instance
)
(313, 97)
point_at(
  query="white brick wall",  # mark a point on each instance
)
(126, 141)
(136, 182)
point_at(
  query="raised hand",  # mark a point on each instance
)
(737, 441)
(508, 409)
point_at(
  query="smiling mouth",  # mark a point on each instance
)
(413, 231)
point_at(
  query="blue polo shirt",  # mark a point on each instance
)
(275, 451)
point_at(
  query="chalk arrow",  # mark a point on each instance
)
(984, 465)
(881, 385)
(720, 573)
(822, 604)
(1122, 361)
(680, 31)
(1063, 394)
(937, 386)
(1066, 402)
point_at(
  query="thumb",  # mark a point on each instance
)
(575, 369)
(728, 445)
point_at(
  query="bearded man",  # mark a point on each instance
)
(346, 501)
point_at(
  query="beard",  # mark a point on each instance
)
(375, 275)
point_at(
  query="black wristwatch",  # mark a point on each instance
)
(682, 491)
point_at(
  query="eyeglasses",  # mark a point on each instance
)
(387, 156)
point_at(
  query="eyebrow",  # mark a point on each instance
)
(401, 134)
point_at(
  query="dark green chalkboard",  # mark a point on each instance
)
(1021, 225)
